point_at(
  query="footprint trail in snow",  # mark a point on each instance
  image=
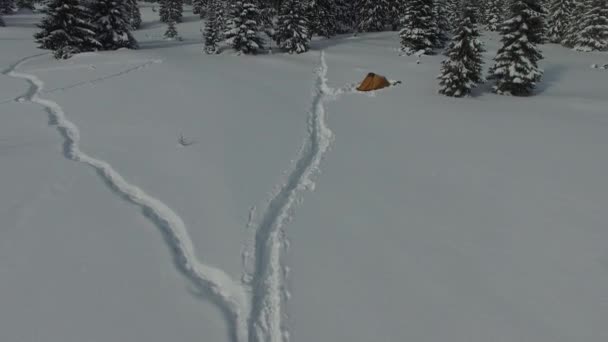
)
(254, 309)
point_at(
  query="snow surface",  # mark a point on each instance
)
(432, 218)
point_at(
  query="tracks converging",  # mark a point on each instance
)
(254, 310)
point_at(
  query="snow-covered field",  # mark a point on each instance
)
(432, 219)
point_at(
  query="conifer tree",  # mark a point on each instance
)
(345, 15)
(163, 11)
(213, 26)
(579, 8)
(494, 14)
(593, 27)
(538, 28)
(199, 7)
(112, 26)
(27, 4)
(372, 15)
(244, 32)
(171, 32)
(134, 14)
(560, 13)
(516, 69)
(66, 29)
(2, 24)
(7, 7)
(417, 33)
(321, 17)
(461, 71)
(441, 27)
(292, 28)
(454, 9)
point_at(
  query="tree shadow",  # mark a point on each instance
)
(165, 44)
(553, 74)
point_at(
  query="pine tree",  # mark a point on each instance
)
(2, 24)
(111, 20)
(372, 15)
(345, 15)
(27, 4)
(441, 27)
(579, 8)
(454, 8)
(417, 34)
(538, 28)
(66, 29)
(560, 13)
(171, 32)
(7, 7)
(461, 72)
(292, 32)
(213, 26)
(516, 69)
(171, 10)
(199, 7)
(593, 32)
(321, 17)
(494, 14)
(244, 32)
(134, 14)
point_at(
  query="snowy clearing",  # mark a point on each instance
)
(162, 194)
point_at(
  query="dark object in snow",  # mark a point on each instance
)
(374, 82)
(185, 141)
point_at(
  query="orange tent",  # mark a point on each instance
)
(373, 82)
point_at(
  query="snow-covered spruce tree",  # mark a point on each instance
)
(26, 4)
(579, 8)
(516, 69)
(372, 15)
(171, 32)
(66, 29)
(321, 17)
(173, 10)
(244, 32)
(453, 9)
(345, 15)
(417, 33)
(7, 7)
(560, 13)
(212, 33)
(593, 32)
(441, 27)
(462, 70)
(112, 26)
(494, 14)
(292, 27)
(199, 7)
(134, 14)
(537, 26)
(162, 11)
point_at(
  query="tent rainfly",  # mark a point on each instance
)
(373, 82)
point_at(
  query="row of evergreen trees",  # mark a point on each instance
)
(515, 70)
(75, 26)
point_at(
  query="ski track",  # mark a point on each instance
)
(268, 290)
(253, 308)
(138, 67)
(214, 283)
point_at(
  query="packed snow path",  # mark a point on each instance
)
(253, 309)
(223, 291)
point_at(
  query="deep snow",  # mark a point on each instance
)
(432, 219)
